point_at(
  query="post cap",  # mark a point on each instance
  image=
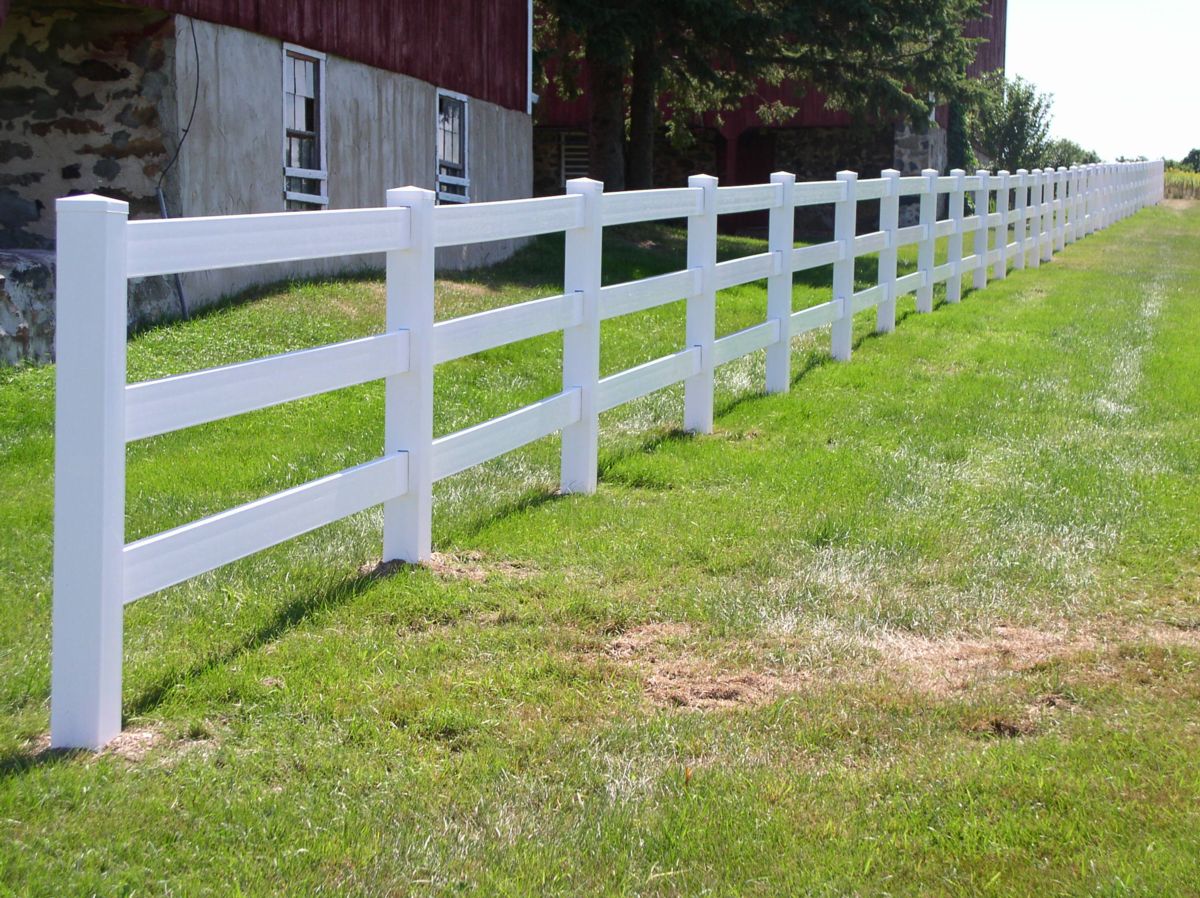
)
(90, 202)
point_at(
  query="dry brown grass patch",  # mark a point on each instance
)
(674, 678)
(687, 685)
(677, 673)
(946, 666)
(463, 288)
(134, 745)
(471, 566)
(642, 643)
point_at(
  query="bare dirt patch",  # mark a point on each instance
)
(134, 744)
(675, 674)
(131, 744)
(472, 566)
(643, 642)
(674, 678)
(685, 685)
(1180, 204)
(946, 666)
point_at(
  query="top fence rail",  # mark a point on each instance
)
(1016, 218)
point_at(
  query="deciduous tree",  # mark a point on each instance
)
(873, 58)
(1012, 126)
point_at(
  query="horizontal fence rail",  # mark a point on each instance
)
(1015, 218)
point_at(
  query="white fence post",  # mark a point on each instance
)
(1085, 200)
(89, 473)
(1021, 229)
(957, 199)
(1120, 181)
(1036, 209)
(1003, 206)
(889, 223)
(1084, 196)
(1060, 230)
(845, 224)
(581, 344)
(702, 309)
(408, 397)
(980, 279)
(1051, 221)
(781, 239)
(1047, 239)
(1081, 202)
(925, 252)
(1073, 231)
(1106, 197)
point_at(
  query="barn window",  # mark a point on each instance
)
(453, 180)
(305, 175)
(573, 146)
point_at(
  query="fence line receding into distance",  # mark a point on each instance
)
(96, 574)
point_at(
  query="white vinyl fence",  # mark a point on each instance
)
(99, 249)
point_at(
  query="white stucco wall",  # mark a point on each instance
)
(380, 133)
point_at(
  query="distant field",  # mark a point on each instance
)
(1181, 185)
(926, 625)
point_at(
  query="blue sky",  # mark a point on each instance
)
(1125, 75)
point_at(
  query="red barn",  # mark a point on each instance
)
(206, 107)
(814, 143)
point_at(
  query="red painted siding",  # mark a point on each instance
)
(993, 26)
(476, 47)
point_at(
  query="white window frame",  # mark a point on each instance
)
(313, 174)
(440, 179)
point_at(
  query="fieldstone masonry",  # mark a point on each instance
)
(917, 149)
(85, 100)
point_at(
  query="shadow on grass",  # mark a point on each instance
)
(502, 510)
(286, 618)
(19, 762)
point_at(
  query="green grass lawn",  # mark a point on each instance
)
(926, 625)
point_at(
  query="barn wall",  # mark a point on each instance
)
(992, 26)
(476, 47)
(380, 135)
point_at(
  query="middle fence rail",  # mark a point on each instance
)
(1020, 218)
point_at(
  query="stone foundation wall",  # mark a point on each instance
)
(547, 161)
(917, 149)
(86, 98)
(86, 106)
(818, 154)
